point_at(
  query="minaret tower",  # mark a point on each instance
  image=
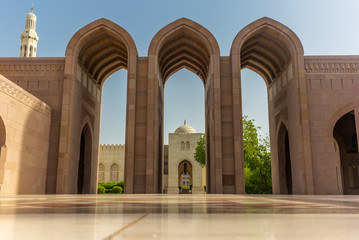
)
(29, 36)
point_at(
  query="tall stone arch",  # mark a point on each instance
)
(93, 54)
(275, 52)
(186, 44)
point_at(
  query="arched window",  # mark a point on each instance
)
(30, 53)
(187, 145)
(182, 145)
(25, 48)
(101, 173)
(114, 172)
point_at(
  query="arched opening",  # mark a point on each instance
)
(183, 99)
(284, 162)
(185, 173)
(345, 134)
(113, 123)
(95, 53)
(186, 44)
(84, 164)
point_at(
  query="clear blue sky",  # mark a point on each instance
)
(325, 27)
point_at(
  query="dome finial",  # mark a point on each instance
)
(185, 122)
(32, 7)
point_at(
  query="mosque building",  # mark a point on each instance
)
(180, 168)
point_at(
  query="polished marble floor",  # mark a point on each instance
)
(178, 217)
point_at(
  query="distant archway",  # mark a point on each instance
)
(344, 133)
(185, 173)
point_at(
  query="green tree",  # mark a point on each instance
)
(200, 152)
(257, 160)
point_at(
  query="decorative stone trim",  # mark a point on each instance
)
(31, 66)
(331, 64)
(14, 91)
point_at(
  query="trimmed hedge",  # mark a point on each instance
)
(117, 190)
(101, 190)
(111, 187)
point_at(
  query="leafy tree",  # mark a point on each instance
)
(257, 159)
(200, 152)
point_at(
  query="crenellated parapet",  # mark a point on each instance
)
(110, 147)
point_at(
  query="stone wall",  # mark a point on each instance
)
(25, 132)
(111, 163)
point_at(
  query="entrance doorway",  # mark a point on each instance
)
(345, 135)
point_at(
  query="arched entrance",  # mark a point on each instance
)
(284, 162)
(185, 173)
(85, 162)
(345, 134)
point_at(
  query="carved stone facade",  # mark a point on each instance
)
(308, 99)
(111, 163)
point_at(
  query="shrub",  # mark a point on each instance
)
(121, 184)
(109, 185)
(117, 190)
(101, 190)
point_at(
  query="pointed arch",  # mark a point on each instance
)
(284, 164)
(281, 122)
(184, 44)
(85, 171)
(266, 47)
(333, 119)
(101, 47)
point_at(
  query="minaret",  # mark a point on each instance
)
(29, 37)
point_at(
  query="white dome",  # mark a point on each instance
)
(185, 129)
